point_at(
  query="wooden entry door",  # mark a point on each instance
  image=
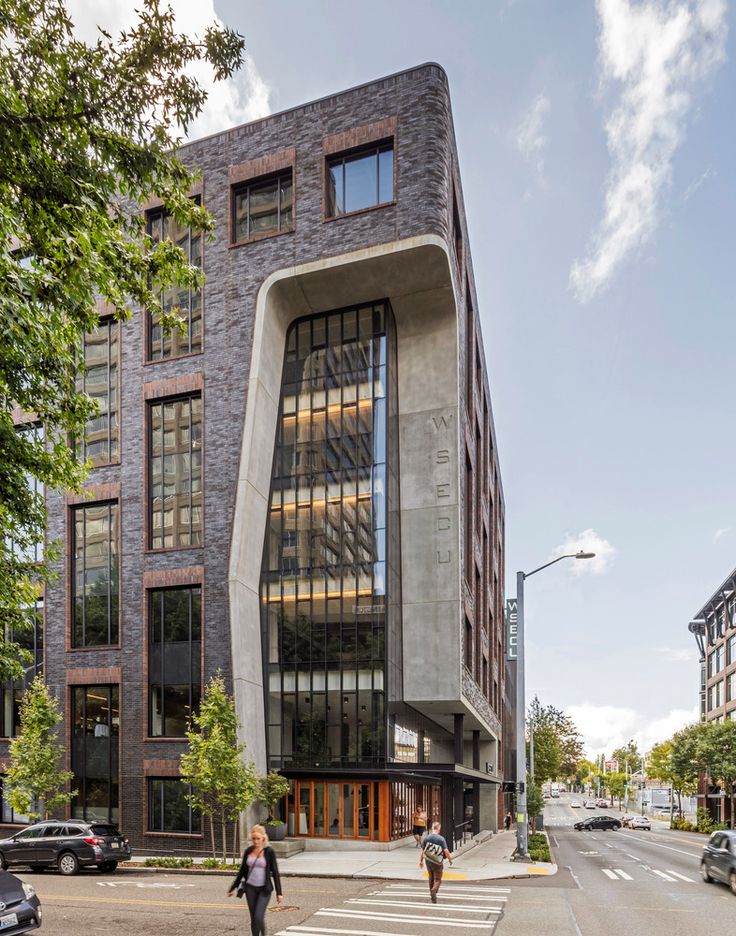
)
(336, 809)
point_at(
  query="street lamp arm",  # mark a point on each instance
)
(552, 562)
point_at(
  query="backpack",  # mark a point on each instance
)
(433, 853)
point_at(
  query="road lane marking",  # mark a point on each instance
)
(665, 877)
(609, 874)
(680, 876)
(651, 841)
(395, 918)
(623, 874)
(424, 904)
(70, 898)
(632, 856)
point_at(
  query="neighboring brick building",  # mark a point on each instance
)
(303, 492)
(714, 629)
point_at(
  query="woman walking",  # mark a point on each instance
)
(419, 825)
(254, 879)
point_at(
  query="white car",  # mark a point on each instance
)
(575, 804)
(590, 804)
(640, 822)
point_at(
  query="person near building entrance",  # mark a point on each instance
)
(434, 852)
(507, 820)
(257, 877)
(419, 824)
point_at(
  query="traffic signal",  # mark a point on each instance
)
(520, 787)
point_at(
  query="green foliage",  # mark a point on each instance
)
(616, 785)
(217, 864)
(539, 847)
(628, 755)
(168, 862)
(223, 784)
(271, 790)
(715, 746)
(34, 778)
(683, 825)
(88, 134)
(557, 742)
(534, 799)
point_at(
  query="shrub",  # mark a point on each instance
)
(168, 862)
(539, 847)
(683, 825)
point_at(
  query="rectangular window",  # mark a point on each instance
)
(263, 207)
(174, 648)
(26, 551)
(720, 657)
(95, 733)
(30, 639)
(731, 648)
(7, 814)
(469, 645)
(175, 473)
(162, 226)
(731, 688)
(95, 575)
(361, 179)
(711, 664)
(100, 381)
(169, 809)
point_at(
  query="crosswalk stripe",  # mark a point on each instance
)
(624, 875)
(682, 877)
(396, 903)
(609, 874)
(665, 877)
(395, 918)
(327, 931)
(446, 894)
(455, 888)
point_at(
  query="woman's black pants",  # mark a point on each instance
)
(258, 898)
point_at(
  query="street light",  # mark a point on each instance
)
(522, 850)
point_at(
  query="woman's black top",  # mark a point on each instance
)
(272, 870)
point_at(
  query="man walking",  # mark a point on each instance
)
(434, 852)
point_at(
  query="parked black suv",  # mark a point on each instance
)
(67, 845)
(719, 859)
(596, 822)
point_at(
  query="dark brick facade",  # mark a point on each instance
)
(413, 107)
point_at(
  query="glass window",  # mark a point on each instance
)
(100, 381)
(328, 544)
(161, 227)
(168, 807)
(263, 207)
(95, 574)
(25, 551)
(175, 473)
(360, 180)
(31, 639)
(95, 733)
(7, 813)
(731, 651)
(174, 649)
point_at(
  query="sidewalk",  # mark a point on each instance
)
(486, 862)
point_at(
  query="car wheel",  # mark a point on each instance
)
(3, 862)
(107, 867)
(68, 864)
(616, 827)
(704, 873)
(732, 881)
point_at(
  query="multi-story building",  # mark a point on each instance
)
(302, 492)
(714, 629)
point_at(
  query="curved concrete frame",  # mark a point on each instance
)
(415, 274)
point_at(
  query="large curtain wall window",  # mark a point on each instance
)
(96, 730)
(167, 344)
(169, 809)
(325, 565)
(175, 473)
(100, 380)
(174, 666)
(95, 575)
(31, 639)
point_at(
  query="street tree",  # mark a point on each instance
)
(223, 784)
(628, 754)
(534, 801)
(559, 743)
(88, 134)
(716, 753)
(616, 786)
(585, 772)
(684, 761)
(35, 784)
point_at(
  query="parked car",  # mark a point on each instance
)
(589, 804)
(21, 908)
(719, 859)
(67, 845)
(598, 822)
(640, 822)
(625, 820)
(575, 804)
(602, 804)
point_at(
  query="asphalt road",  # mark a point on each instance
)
(616, 883)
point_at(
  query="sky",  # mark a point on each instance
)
(596, 144)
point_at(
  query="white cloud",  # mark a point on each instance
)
(676, 654)
(528, 136)
(656, 51)
(587, 541)
(696, 183)
(606, 727)
(244, 97)
(721, 532)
